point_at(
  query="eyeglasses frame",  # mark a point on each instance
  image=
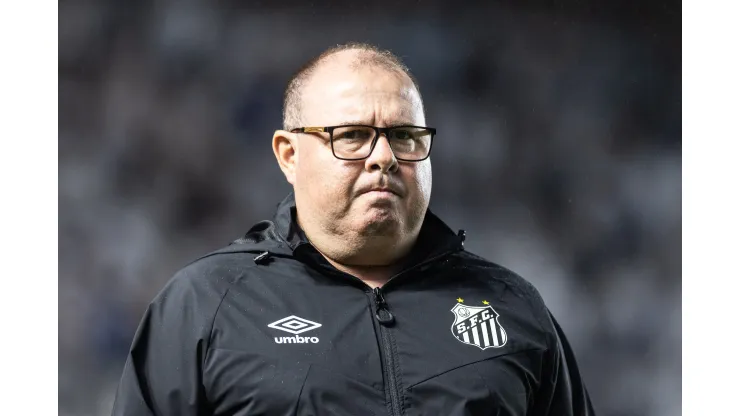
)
(378, 131)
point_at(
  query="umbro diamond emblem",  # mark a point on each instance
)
(295, 325)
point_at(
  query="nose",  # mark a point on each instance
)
(382, 157)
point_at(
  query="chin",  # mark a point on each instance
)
(385, 224)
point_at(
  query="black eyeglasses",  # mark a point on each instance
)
(356, 142)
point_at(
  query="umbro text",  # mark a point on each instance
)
(296, 340)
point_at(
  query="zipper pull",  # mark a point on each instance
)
(382, 314)
(262, 258)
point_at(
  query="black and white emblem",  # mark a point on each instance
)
(479, 326)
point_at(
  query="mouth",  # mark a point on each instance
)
(385, 192)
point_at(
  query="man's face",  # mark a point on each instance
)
(336, 191)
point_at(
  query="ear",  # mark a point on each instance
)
(284, 145)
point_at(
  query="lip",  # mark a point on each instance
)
(381, 191)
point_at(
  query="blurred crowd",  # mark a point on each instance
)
(558, 150)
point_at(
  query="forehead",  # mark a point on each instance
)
(338, 93)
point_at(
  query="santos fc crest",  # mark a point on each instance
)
(479, 326)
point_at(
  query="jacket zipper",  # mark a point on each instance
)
(386, 319)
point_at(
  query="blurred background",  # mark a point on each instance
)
(558, 150)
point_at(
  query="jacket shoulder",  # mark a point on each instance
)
(507, 281)
(497, 273)
(214, 273)
(216, 270)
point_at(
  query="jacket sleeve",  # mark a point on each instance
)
(163, 370)
(562, 391)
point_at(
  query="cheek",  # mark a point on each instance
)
(325, 179)
(421, 180)
(427, 181)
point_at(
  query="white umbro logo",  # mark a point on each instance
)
(295, 325)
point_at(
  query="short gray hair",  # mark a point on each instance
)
(371, 56)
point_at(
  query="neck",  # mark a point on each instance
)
(373, 276)
(371, 262)
(374, 260)
(374, 270)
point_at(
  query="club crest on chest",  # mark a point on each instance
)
(478, 325)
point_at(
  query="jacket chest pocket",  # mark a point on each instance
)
(502, 385)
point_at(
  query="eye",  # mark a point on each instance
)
(353, 133)
(402, 134)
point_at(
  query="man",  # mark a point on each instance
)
(354, 299)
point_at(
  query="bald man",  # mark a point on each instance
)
(354, 299)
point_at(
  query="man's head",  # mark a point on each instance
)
(342, 217)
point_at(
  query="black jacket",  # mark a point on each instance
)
(266, 326)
